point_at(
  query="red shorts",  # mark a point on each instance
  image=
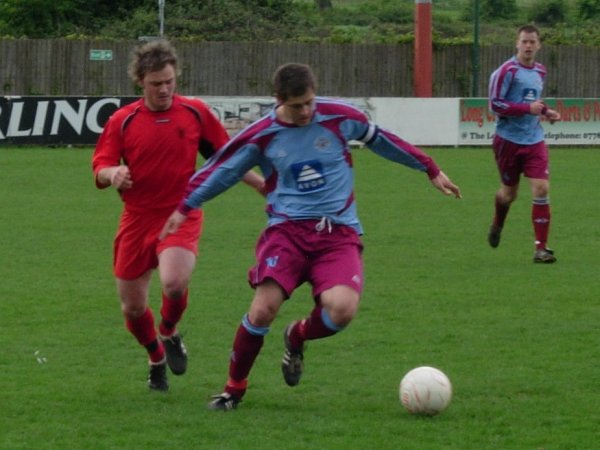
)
(516, 159)
(294, 252)
(136, 245)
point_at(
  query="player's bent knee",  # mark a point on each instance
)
(262, 314)
(343, 318)
(174, 291)
(175, 287)
(132, 311)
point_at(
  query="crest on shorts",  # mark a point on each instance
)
(272, 261)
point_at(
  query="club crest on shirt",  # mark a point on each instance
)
(322, 143)
(308, 175)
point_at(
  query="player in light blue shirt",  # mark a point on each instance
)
(313, 235)
(513, 89)
(515, 96)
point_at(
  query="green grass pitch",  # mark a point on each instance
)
(519, 341)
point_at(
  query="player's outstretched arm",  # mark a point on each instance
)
(445, 185)
(172, 224)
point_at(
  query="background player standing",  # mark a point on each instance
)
(313, 232)
(147, 151)
(515, 96)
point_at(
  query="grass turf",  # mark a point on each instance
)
(519, 341)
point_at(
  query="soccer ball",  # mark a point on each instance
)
(425, 390)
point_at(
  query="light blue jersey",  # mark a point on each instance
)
(308, 169)
(512, 88)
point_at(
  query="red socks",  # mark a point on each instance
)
(171, 313)
(143, 330)
(143, 327)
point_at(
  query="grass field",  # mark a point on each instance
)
(519, 341)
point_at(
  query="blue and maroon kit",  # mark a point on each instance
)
(519, 146)
(308, 170)
(512, 88)
(313, 227)
(313, 232)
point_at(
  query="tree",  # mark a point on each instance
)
(324, 4)
(499, 9)
(588, 9)
(548, 12)
(58, 18)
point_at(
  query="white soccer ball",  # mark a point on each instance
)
(425, 390)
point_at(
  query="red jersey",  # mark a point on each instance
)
(159, 147)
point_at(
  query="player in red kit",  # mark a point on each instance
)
(147, 152)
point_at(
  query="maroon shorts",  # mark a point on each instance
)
(136, 246)
(294, 252)
(515, 159)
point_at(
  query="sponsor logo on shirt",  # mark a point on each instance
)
(308, 175)
(529, 95)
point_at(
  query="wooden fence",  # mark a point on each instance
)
(66, 67)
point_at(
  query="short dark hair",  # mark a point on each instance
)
(293, 80)
(528, 29)
(151, 57)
